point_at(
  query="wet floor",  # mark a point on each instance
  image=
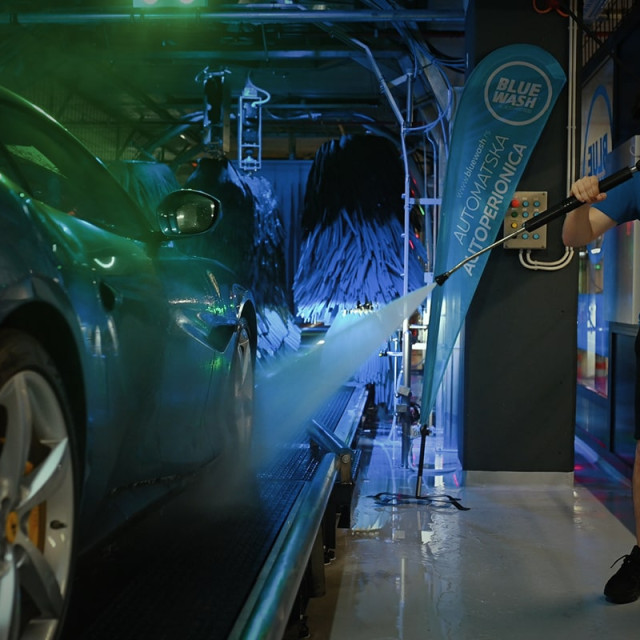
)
(527, 560)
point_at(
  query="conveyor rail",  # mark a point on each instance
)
(232, 571)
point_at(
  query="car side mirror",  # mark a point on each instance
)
(188, 212)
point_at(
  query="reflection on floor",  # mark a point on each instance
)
(527, 560)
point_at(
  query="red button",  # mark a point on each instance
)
(515, 202)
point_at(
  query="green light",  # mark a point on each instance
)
(166, 4)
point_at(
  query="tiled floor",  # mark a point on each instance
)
(527, 561)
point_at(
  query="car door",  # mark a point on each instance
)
(201, 324)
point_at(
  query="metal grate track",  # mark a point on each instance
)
(186, 570)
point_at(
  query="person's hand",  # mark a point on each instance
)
(587, 190)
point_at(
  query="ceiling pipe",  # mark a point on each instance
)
(258, 16)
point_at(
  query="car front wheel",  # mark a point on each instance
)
(37, 492)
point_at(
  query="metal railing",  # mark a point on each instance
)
(601, 19)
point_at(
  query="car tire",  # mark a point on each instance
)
(241, 400)
(38, 491)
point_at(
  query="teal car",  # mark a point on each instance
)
(127, 355)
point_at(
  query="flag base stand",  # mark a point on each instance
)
(424, 432)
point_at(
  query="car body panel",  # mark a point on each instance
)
(149, 322)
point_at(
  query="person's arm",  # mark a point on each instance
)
(586, 223)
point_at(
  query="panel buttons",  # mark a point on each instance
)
(524, 206)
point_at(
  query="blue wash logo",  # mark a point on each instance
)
(518, 93)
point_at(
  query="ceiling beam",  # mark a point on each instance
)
(271, 15)
(304, 56)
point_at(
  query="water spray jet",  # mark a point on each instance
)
(287, 400)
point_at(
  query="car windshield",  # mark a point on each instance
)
(54, 168)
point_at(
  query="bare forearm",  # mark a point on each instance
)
(577, 230)
(584, 224)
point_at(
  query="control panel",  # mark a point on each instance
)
(523, 206)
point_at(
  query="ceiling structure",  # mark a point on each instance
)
(132, 81)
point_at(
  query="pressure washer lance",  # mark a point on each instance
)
(546, 216)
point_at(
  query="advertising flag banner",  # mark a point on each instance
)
(503, 109)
